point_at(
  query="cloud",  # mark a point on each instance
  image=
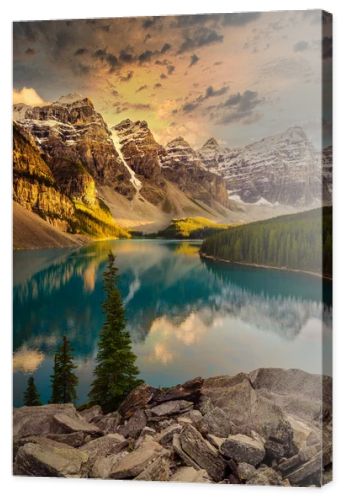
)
(201, 37)
(209, 92)
(300, 46)
(193, 59)
(163, 76)
(146, 56)
(125, 56)
(165, 48)
(170, 69)
(27, 96)
(81, 51)
(26, 360)
(143, 87)
(121, 106)
(157, 86)
(107, 58)
(239, 107)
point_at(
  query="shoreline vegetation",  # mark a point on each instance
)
(265, 266)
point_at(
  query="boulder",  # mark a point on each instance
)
(102, 466)
(189, 391)
(245, 471)
(309, 472)
(216, 441)
(200, 452)
(265, 476)
(137, 399)
(171, 408)
(104, 446)
(44, 459)
(66, 423)
(190, 475)
(74, 439)
(243, 406)
(43, 441)
(39, 420)
(166, 435)
(134, 425)
(217, 422)
(242, 448)
(107, 423)
(158, 470)
(279, 442)
(135, 462)
(89, 413)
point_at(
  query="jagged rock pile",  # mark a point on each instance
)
(269, 427)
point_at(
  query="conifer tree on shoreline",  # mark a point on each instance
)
(31, 395)
(64, 381)
(115, 374)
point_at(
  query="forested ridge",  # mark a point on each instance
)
(292, 241)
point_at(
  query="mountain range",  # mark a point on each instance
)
(74, 175)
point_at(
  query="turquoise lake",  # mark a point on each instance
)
(186, 317)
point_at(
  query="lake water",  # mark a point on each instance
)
(186, 317)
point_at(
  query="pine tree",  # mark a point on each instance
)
(64, 380)
(31, 396)
(115, 374)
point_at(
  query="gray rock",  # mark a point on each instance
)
(201, 453)
(171, 408)
(134, 425)
(218, 423)
(104, 446)
(137, 399)
(39, 420)
(107, 423)
(89, 413)
(190, 475)
(35, 459)
(189, 391)
(158, 470)
(195, 416)
(67, 423)
(74, 439)
(279, 442)
(102, 466)
(147, 431)
(265, 476)
(183, 420)
(215, 440)
(242, 448)
(245, 471)
(43, 441)
(312, 469)
(166, 435)
(137, 461)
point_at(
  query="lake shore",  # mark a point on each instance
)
(265, 266)
(192, 432)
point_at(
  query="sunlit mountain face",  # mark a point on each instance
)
(236, 77)
(184, 316)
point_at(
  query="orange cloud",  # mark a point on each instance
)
(27, 96)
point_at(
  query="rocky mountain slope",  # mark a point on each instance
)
(281, 169)
(268, 427)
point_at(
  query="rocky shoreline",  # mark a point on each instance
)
(268, 427)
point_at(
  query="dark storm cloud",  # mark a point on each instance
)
(151, 22)
(185, 21)
(300, 46)
(163, 76)
(125, 105)
(165, 48)
(157, 86)
(200, 37)
(238, 107)
(82, 69)
(193, 59)
(143, 87)
(146, 56)
(125, 56)
(327, 47)
(128, 76)
(209, 92)
(107, 58)
(81, 51)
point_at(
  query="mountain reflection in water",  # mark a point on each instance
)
(187, 317)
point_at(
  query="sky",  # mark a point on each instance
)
(236, 77)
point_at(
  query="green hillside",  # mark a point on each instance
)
(191, 227)
(290, 241)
